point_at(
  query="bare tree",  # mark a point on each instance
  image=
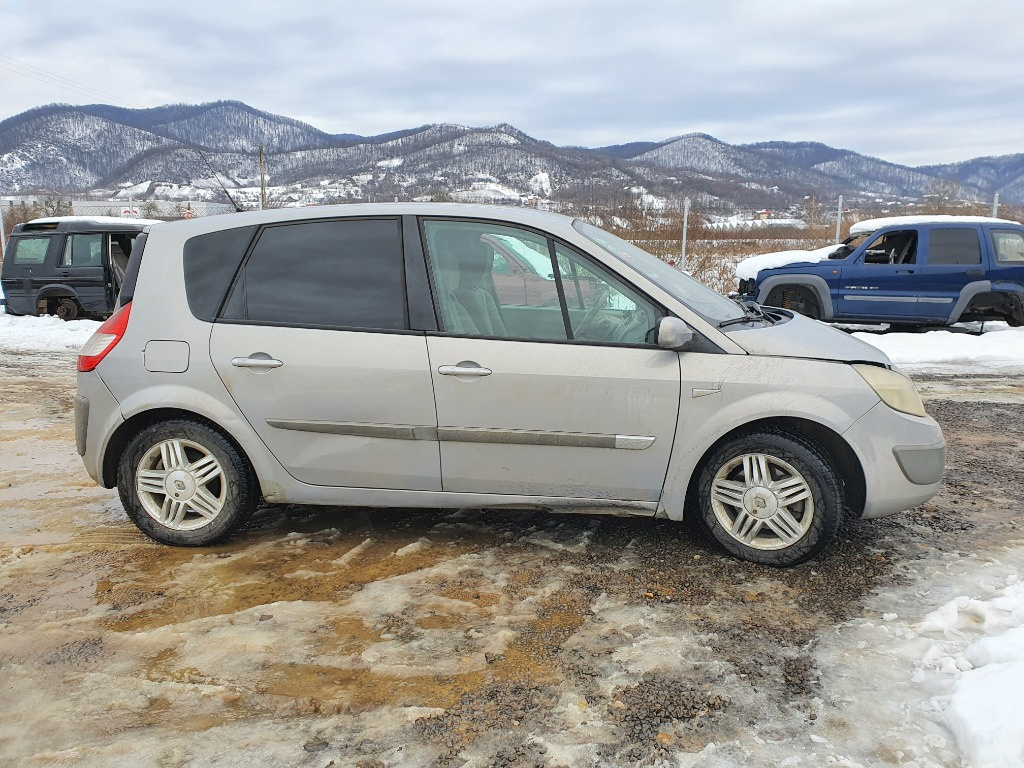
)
(942, 196)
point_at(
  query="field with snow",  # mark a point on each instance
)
(397, 638)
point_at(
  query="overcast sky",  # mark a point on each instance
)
(914, 82)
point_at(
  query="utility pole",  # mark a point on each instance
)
(3, 234)
(686, 218)
(263, 181)
(839, 218)
(995, 205)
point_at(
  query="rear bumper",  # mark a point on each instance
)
(903, 458)
(97, 415)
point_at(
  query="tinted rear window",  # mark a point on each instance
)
(210, 262)
(334, 274)
(954, 246)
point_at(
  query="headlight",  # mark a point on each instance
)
(896, 390)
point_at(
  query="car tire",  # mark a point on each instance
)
(770, 497)
(184, 483)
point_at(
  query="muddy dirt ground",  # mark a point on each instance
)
(329, 636)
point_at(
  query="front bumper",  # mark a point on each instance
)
(903, 458)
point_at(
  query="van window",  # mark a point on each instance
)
(30, 250)
(326, 274)
(83, 251)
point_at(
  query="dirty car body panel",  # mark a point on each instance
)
(410, 383)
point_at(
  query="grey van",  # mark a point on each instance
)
(68, 266)
(360, 355)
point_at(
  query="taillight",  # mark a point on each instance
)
(104, 340)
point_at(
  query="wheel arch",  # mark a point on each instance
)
(58, 291)
(119, 440)
(1003, 300)
(815, 283)
(844, 460)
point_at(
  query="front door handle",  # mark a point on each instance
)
(256, 362)
(465, 368)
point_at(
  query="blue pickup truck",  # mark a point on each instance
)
(902, 270)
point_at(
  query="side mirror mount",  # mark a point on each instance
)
(673, 333)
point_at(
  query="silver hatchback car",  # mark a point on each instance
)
(361, 355)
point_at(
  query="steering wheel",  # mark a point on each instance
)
(588, 319)
(637, 319)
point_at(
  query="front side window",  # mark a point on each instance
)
(494, 280)
(1009, 246)
(327, 274)
(954, 246)
(30, 250)
(83, 251)
(601, 307)
(898, 247)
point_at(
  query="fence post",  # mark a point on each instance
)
(839, 218)
(686, 217)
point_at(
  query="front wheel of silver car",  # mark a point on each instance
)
(770, 497)
(183, 483)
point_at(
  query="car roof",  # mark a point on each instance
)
(519, 215)
(83, 224)
(870, 225)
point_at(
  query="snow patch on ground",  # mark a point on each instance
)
(540, 184)
(43, 334)
(999, 347)
(942, 659)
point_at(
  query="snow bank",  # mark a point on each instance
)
(748, 268)
(979, 646)
(43, 334)
(999, 347)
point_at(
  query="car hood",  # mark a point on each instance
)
(800, 336)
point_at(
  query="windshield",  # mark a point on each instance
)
(709, 304)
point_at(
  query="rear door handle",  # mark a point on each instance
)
(464, 369)
(256, 362)
(975, 272)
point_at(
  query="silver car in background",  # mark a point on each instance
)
(360, 355)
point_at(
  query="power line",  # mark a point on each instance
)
(52, 78)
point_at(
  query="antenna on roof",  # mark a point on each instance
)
(238, 208)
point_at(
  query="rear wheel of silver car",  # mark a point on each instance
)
(770, 497)
(183, 483)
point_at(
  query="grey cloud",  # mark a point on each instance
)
(916, 81)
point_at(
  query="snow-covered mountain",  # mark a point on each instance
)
(64, 148)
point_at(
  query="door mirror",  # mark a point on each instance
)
(673, 333)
